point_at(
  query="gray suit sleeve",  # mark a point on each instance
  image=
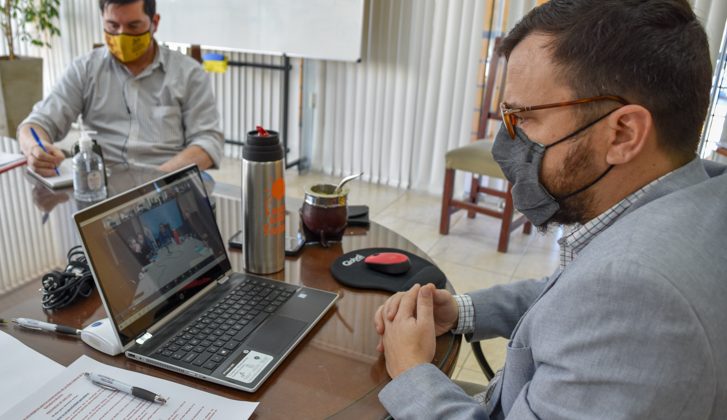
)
(200, 116)
(424, 392)
(622, 344)
(61, 107)
(498, 309)
(615, 342)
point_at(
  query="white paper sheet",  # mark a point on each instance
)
(22, 370)
(7, 159)
(70, 395)
(65, 179)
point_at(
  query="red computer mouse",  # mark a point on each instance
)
(388, 262)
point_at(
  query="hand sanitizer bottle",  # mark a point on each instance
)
(88, 171)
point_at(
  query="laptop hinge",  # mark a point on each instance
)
(143, 338)
(224, 278)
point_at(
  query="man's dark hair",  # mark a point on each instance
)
(150, 6)
(651, 52)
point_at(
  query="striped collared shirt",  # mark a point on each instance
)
(143, 119)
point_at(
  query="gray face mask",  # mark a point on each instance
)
(520, 160)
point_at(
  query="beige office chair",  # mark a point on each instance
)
(477, 159)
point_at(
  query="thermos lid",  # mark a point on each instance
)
(259, 148)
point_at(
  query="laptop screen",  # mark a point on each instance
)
(152, 248)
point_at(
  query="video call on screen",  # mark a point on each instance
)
(156, 245)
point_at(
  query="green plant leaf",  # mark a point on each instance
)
(27, 20)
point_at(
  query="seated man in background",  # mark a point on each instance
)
(149, 105)
(603, 108)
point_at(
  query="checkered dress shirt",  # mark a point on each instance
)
(581, 235)
(466, 309)
(570, 245)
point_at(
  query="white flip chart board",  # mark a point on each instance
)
(320, 29)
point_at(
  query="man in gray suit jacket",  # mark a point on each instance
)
(604, 105)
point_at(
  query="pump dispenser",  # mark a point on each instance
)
(88, 170)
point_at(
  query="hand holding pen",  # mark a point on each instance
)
(114, 385)
(43, 159)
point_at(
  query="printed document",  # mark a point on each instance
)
(70, 395)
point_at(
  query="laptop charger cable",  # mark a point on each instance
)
(61, 288)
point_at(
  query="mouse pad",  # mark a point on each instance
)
(351, 270)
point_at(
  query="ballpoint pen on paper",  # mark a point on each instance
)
(40, 143)
(45, 326)
(112, 384)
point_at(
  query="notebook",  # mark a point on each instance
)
(63, 180)
(165, 280)
(9, 161)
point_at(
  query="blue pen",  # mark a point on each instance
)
(40, 143)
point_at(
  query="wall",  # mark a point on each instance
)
(245, 97)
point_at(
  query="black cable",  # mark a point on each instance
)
(61, 288)
(481, 360)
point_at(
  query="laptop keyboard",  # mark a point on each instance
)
(208, 340)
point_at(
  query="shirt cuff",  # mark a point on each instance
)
(466, 319)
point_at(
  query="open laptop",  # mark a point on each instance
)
(165, 279)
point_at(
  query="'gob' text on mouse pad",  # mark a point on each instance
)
(351, 270)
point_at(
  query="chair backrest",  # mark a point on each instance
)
(492, 95)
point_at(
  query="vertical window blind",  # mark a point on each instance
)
(414, 96)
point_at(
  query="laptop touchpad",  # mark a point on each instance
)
(275, 334)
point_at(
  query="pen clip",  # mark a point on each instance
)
(28, 326)
(104, 386)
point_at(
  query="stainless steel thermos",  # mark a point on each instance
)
(263, 203)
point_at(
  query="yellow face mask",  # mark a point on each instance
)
(127, 48)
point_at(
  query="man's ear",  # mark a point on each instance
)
(155, 22)
(632, 127)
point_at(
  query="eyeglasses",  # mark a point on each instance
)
(510, 119)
